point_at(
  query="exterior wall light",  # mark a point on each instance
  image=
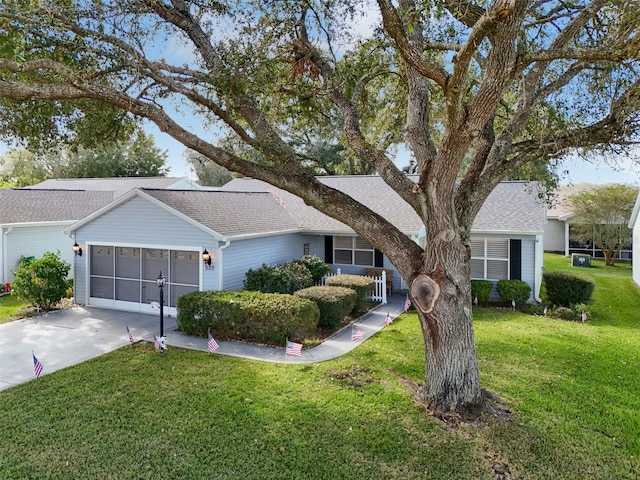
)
(77, 249)
(206, 259)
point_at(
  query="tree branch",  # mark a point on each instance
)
(394, 26)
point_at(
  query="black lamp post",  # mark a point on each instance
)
(161, 281)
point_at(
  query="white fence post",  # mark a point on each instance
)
(384, 287)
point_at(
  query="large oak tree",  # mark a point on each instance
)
(485, 88)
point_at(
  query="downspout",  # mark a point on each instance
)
(539, 260)
(220, 263)
(5, 274)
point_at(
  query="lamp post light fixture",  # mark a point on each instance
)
(161, 282)
(77, 249)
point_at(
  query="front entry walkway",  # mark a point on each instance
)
(63, 338)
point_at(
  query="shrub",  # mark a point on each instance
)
(334, 303)
(516, 290)
(286, 278)
(363, 286)
(315, 265)
(41, 281)
(565, 289)
(249, 316)
(481, 289)
(565, 313)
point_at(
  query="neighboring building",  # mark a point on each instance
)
(128, 242)
(634, 224)
(560, 217)
(32, 222)
(32, 219)
(118, 185)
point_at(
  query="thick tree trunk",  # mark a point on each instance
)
(443, 300)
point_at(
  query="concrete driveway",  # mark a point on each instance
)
(63, 338)
(67, 337)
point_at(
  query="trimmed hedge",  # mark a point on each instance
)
(315, 265)
(481, 289)
(267, 318)
(566, 289)
(364, 287)
(334, 303)
(515, 290)
(285, 278)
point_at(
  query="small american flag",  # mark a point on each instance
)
(407, 303)
(356, 335)
(475, 300)
(583, 316)
(293, 348)
(388, 321)
(212, 345)
(37, 366)
(156, 343)
(130, 336)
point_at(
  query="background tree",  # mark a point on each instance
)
(602, 217)
(208, 172)
(139, 158)
(486, 89)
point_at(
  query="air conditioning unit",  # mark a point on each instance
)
(580, 260)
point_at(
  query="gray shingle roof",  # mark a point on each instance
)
(512, 206)
(39, 205)
(231, 214)
(120, 185)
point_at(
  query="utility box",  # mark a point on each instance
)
(580, 260)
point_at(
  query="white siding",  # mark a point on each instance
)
(34, 240)
(528, 264)
(241, 255)
(554, 240)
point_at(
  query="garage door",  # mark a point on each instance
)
(125, 277)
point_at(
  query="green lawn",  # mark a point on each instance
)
(10, 308)
(574, 389)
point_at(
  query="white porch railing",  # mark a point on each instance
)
(380, 285)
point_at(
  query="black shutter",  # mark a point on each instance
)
(378, 259)
(515, 269)
(328, 249)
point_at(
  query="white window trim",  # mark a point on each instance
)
(353, 250)
(485, 258)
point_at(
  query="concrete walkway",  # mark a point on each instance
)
(63, 338)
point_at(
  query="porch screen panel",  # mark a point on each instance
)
(127, 262)
(128, 290)
(101, 266)
(154, 261)
(177, 290)
(102, 287)
(102, 260)
(185, 267)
